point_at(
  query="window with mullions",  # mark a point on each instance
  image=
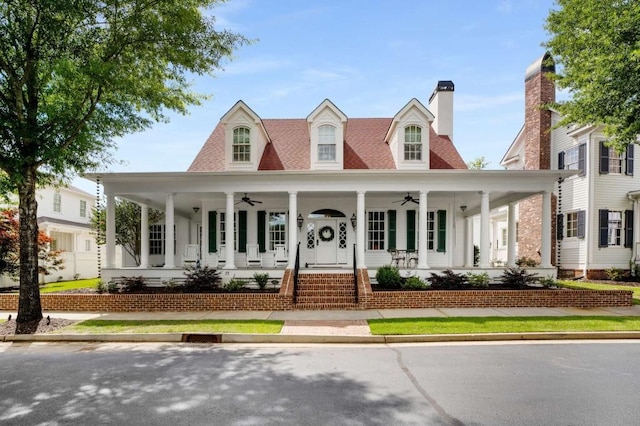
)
(615, 228)
(431, 230)
(57, 202)
(223, 229)
(241, 145)
(375, 231)
(83, 208)
(572, 224)
(277, 229)
(412, 143)
(326, 143)
(615, 161)
(156, 239)
(571, 158)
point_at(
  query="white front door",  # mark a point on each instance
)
(326, 242)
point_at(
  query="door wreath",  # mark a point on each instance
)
(326, 234)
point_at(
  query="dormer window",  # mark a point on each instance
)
(413, 143)
(326, 143)
(241, 145)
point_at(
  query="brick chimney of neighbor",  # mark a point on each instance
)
(441, 105)
(539, 90)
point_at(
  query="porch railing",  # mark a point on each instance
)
(296, 268)
(355, 276)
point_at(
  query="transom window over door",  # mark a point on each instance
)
(326, 143)
(241, 145)
(413, 143)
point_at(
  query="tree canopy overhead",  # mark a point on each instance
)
(75, 74)
(596, 44)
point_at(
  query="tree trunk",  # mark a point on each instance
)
(29, 307)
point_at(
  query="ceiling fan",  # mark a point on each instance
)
(248, 200)
(407, 198)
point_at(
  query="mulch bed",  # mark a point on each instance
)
(43, 326)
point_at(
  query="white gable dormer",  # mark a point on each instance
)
(327, 125)
(408, 136)
(245, 138)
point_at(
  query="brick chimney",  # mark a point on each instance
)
(441, 105)
(538, 91)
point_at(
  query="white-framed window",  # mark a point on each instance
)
(375, 230)
(615, 161)
(517, 231)
(572, 224)
(83, 208)
(615, 228)
(326, 143)
(431, 230)
(412, 143)
(241, 145)
(223, 229)
(571, 158)
(87, 245)
(277, 229)
(57, 202)
(503, 237)
(156, 239)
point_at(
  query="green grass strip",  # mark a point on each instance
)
(174, 326)
(69, 285)
(595, 286)
(462, 325)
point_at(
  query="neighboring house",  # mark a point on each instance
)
(64, 214)
(595, 210)
(332, 191)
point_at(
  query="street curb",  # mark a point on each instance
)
(315, 339)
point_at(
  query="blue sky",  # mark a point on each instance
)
(369, 57)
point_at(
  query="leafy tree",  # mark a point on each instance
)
(74, 75)
(49, 260)
(128, 232)
(479, 163)
(596, 44)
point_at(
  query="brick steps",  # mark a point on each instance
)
(325, 291)
(324, 306)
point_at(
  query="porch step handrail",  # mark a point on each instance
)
(355, 276)
(296, 268)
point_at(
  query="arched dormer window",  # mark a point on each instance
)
(326, 143)
(412, 143)
(241, 145)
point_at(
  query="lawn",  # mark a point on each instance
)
(462, 325)
(175, 326)
(69, 285)
(596, 286)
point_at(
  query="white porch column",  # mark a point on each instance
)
(144, 236)
(485, 248)
(511, 235)
(422, 231)
(468, 242)
(230, 225)
(545, 250)
(636, 228)
(110, 255)
(361, 226)
(169, 223)
(293, 225)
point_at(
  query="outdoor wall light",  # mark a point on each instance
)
(300, 221)
(463, 208)
(196, 210)
(354, 221)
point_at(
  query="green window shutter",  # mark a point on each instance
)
(242, 231)
(262, 220)
(411, 229)
(442, 230)
(213, 228)
(392, 229)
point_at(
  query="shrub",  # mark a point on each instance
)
(414, 283)
(235, 284)
(614, 274)
(112, 287)
(76, 277)
(201, 280)
(526, 262)
(261, 279)
(547, 282)
(517, 278)
(449, 280)
(133, 284)
(478, 280)
(102, 287)
(389, 276)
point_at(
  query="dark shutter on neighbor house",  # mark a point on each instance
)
(213, 227)
(581, 223)
(629, 160)
(262, 223)
(603, 224)
(561, 160)
(242, 231)
(628, 228)
(411, 229)
(442, 230)
(604, 158)
(581, 160)
(391, 214)
(559, 226)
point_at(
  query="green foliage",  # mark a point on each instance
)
(615, 274)
(517, 278)
(133, 284)
(476, 255)
(478, 280)
(449, 280)
(261, 279)
(235, 284)
(526, 262)
(389, 277)
(597, 45)
(101, 287)
(547, 282)
(414, 283)
(201, 280)
(479, 163)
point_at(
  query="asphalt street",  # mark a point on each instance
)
(534, 383)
